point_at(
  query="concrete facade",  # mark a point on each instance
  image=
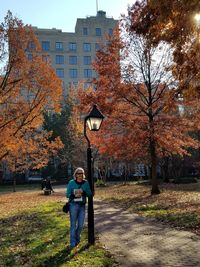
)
(72, 53)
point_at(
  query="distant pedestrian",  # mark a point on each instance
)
(77, 190)
(46, 185)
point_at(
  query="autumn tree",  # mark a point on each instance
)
(33, 153)
(169, 20)
(134, 89)
(28, 86)
(172, 21)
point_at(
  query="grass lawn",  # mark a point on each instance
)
(35, 232)
(177, 205)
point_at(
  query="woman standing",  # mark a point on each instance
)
(77, 191)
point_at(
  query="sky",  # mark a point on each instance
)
(61, 14)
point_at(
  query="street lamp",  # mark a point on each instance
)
(93, 120)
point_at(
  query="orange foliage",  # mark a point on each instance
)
(28, 86)
(140, 112)
(172, 21)
(33, 152)
(142, 75)
(169, 20)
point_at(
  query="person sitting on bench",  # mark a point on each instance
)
(46, 185)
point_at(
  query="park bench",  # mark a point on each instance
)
(47, 191)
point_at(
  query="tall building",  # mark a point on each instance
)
(72, 53)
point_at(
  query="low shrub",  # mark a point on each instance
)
(185, 180)
(100, 183)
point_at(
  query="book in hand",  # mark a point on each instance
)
(78, 195)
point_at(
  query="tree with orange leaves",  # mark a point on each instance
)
(34, 151)
(28, 86)
(172, 21)
(169, 20)
(137, 92)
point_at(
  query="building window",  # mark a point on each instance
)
(59, 45)
(110, 32)
(46, 45)
(86, 60)
(73, 60)
(46, 58)
(73, 73)
(59, 59)
(86, 47)
(60, 73)
(72, 47)
(30, 57)
(31, 46)
(97, 47)
(87, 73)
(85, 31)
(98, 31)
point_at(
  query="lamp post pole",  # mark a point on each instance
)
(91, 238)
(94, 120)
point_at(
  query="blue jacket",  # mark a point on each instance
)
(73, 185)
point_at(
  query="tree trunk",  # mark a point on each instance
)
(154, 181)
(125, 174)
(14, 183)
(166, 170)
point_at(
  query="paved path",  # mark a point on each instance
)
(142, 242)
